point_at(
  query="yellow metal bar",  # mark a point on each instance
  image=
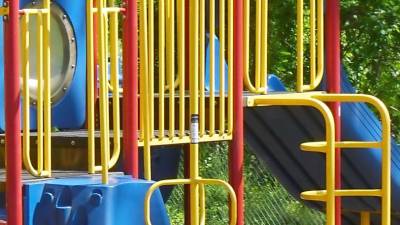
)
(25, 96)
(39, 100)
(194, 107)
(171, 64)
(181, 64)
(212, 68)
(320, 38)
(35, 11)
(103, 92)
(144, 83)
(90, 86)
(47, 87)
(115, 84)
(202, 49)
(222, 67)
(313, 42)
(365, 218)
(386, 154)
(4, 11)
(150, 87)
(230, 67)
(259, 86)
(321, 145)
(300, 45)
(161, 68)
(200, 182)
(202, 205)
(264, 45)
(303, 100)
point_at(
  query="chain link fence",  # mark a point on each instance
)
(267, 202)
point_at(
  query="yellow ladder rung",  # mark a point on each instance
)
(3, 11)
(34, 11)
(321, 146)
(320, 195)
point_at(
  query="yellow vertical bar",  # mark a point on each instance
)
(90, 86)
(258, 44)
(312, 42)
(386, 165)
(202, 204)
(246, 39)
(212, 68)
(151, 65)
(222, 67)
(39, 78)
(47, 88)
(230, 66)
(25, 89)
(104, 135)
(330, 175)
(320, 36)
(115, 85)
(365, 218)
(161, 68)
(264, 48)
(202, 58)
(194, 109)
(143, 87)
(181, 65)
(300, 47)
(171, 64)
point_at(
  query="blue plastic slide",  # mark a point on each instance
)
(274, 134)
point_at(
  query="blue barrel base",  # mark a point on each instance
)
(86, 201)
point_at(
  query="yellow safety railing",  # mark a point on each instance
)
(219, 118)
(261, 47)
(43, 101)
(107, 20)
(328, 147)
(316, 44)
(163, 111)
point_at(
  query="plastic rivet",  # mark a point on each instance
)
(48, 198)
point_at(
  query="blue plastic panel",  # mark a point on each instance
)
(70, 111)
(85, 201)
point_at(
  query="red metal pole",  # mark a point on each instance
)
(130, 86)
(12, 117)
(333, 77)
(236, 146)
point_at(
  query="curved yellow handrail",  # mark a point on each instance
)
(316, 45)
(261, 47)
(43, 96)
(385, 143)
(305, 100)
(200, 182)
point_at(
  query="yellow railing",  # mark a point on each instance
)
(43, 101)
(107, 20)
(163, 111)
(261, 47)
(316, 44)
(317, 100)
(213, 122)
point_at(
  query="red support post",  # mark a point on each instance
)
(333, 62)
(236, 156)
(130, 86)
(12, 114)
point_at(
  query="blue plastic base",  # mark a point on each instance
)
(85, 201)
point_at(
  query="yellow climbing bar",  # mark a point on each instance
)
(317, 100)
(259, 84)
(43, 101)
(316, 41)
(107, 52)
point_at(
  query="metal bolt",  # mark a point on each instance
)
(65, 89)
(64, 16)
(72, 39)
(5, 18)
(73, 143)
(5, 4)
(33, 3)
(72, 66)
(95, 199)
(2, 141)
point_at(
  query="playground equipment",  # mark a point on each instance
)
(182, 85)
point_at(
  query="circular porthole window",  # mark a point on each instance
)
(62, 52)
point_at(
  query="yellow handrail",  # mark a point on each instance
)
(102, 14)
(43, 101)
(261, 47)
(316, 45)
(201, 182)
(328, 147)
